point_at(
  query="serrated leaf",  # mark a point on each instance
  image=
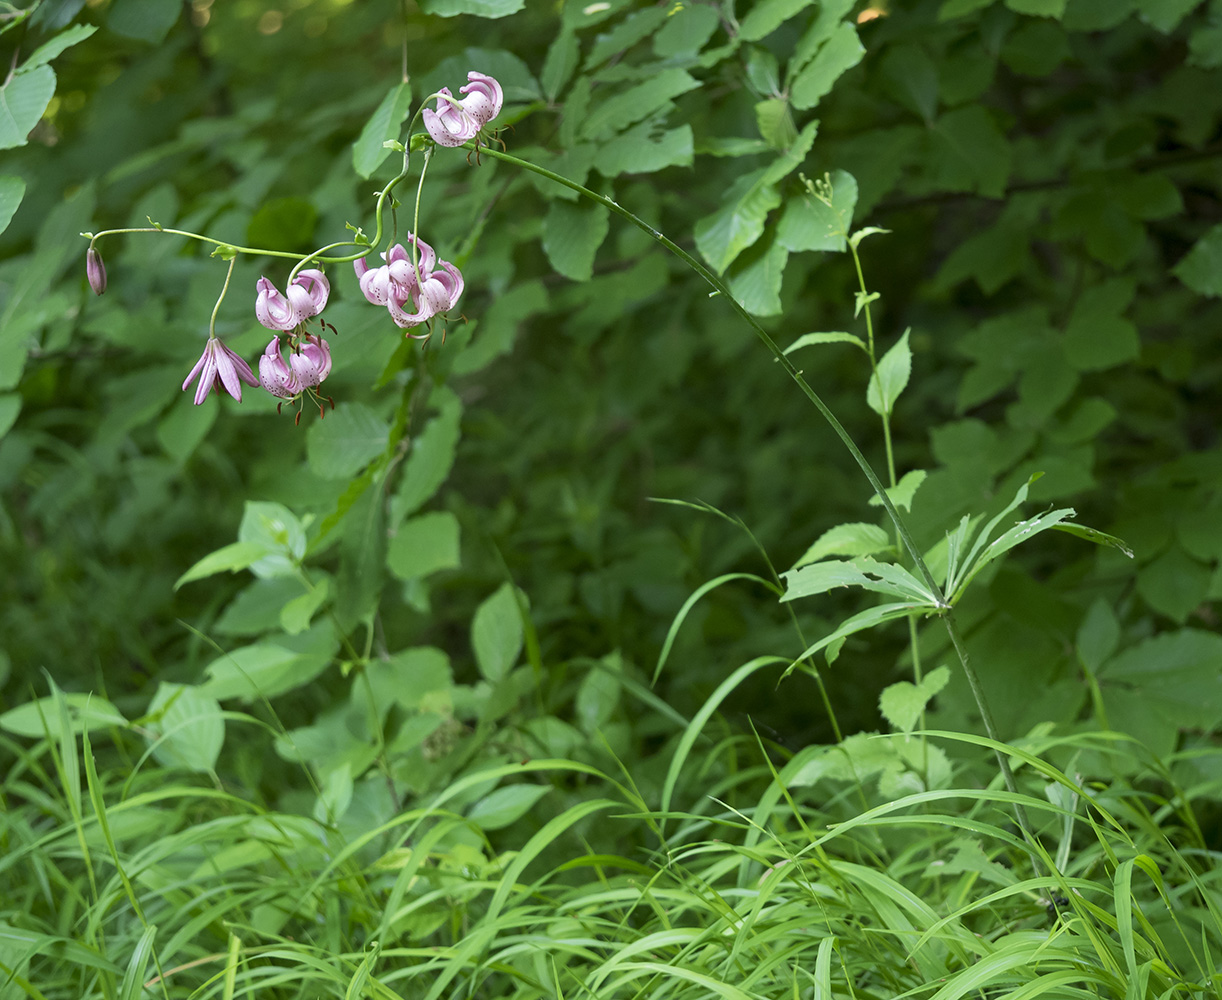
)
(901, 493)
(631, 106)
(755, 279)
(807, 339)
(1098, 336)
(902, 704)
(864, 572)
(233, 557)
(810, 224)
(424, 544)
(342, 443)
(572, 234)
(23, 99)
(775, 122)
(496, 633)
(384, 124)
(856, 539)
(643, 149)
(726, 233)
(892, 376)
(841, 52)
(768, 15)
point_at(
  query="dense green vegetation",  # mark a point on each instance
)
(566, 651)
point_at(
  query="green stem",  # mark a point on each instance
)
(762, 334)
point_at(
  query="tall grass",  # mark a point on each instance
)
(127, 882)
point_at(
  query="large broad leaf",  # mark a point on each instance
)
(147, 20)
(644, 149)
(342, 443)
(277, 529)
(41, 717)
(423, 545)
(855, 539)
(902, 703)
(186, 728)
(23, 99)
(726, 233)
(755, 278)
(266, 669)
(430, 459)
(12, 190)
(384, 124)
(809, 223)
(572, 234)
(636, 103)
(496, 633)
(506, 805)
(1098, 335)
(64, 40)
(841, 52)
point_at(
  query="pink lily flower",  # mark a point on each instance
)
(309, 363)
(307, 295)
(450, 124)
(412, 295)
(484, 98)
(455, 122)
(217, 368)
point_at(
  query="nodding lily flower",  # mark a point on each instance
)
(309, 363)
(217, 368)
(307, 295)
(412, 295)
(95, 271)
(456, 121)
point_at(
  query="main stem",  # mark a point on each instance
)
(900, 526)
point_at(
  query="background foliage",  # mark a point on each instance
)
(462, 565)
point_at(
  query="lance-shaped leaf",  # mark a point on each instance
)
(864, 572)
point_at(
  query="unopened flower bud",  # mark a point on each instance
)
(95, 270)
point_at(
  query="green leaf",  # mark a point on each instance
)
(572, 234)
(430, 459)
(147, 20)
(296, 614)
(1098, 635)
(775, 122)
(342, 443)
(384, 124)
(643, 149)
(184, 426)
(23, 99)
(631, 106)
(626, 33)
(277, 529)
(957, 8)
(283, 222)
(132, 986)
(971, 153)
(267, 669)
(1038, 8)
(1021, 532)
(496, 633)
(1201, 268)
(498, 330)
(424, 544)
(39, 718)
(479, 8)
(862, 621)
(408, 676)
(722, 236)
(1174, 584)
(10, 407)
(864, 572)
(1098, 336)
(599, 693)
(810, 224)
(504, 806)
(768, 15)
(901, 493)
(807, 339)
(233, 557)
(686, 30)
(841, 52)
(1174, 675)
(12, 190)
(893, 372)
(64, 40)
(857, 539)
(185, 728)
(1165, 15)
(755, 279)
(560, 62)
(902, 704)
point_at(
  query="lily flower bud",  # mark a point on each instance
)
(95, 271)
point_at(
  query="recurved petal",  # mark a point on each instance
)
(272, 309)
(484, 97)
(317, 289)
